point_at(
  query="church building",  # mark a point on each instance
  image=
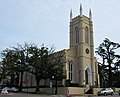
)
(80, 65)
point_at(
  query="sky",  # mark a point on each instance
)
(47, 21)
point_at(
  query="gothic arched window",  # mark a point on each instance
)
(70, 71)
(76, 35)
(86, 35)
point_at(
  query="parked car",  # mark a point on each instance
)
(106, 91)
(8, 89)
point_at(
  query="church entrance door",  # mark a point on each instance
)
(88, 76)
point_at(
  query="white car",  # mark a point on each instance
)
(106, 91)
(7, 89)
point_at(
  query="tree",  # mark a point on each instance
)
(116, 73)
(8, 61)
(106, 50)
(13, 61)
(38, 60)
(57, 61)
(2, 71)
(22, 58)
(41, 59)
(42, 62)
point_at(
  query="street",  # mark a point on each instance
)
(28, 95)
(38, 95)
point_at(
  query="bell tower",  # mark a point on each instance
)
(82, 44)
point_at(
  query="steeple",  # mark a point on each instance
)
(80, 10)
(71, 15)
(90, 15)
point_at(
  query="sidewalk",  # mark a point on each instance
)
(72, 95)
(39, 95)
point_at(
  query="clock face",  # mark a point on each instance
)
(87, 51)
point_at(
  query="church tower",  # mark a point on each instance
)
(82, 49)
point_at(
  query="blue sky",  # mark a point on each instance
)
(47, 21)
